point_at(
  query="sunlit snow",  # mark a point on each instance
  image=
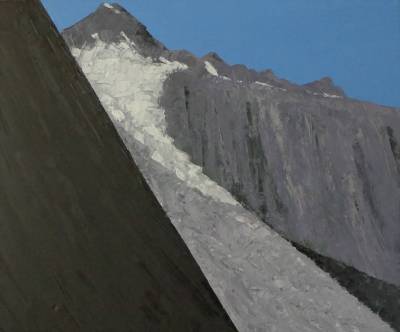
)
(210, 68)
(137, 89)
(115, 10)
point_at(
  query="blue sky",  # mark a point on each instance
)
(356, 42)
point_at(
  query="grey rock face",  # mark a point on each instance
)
(257, 181)
(326, 85)
(319, 167)
(84, 244)
(323, 171)
(109, 21)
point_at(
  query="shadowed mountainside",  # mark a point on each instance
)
(84, 245)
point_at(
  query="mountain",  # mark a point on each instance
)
(263, 282)
(109, 29)
(322, 169)
(84, 244)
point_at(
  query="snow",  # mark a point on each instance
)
(129, 41)
(137, 89)
(115, 10)
(264, 283)
(164, 60)
(270, 86)
(327, 95)
(324, 94)
(210, 68)
(264, 84)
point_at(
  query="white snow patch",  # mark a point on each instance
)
(210, 68)
(264, 84)
(115, 10)
(129, 41)
(136, 83)
(326, 95)
(323, 94)
(270, 86)
(164, 60)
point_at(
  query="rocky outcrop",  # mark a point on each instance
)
(321, 170)
(109, 21)
(326, 87)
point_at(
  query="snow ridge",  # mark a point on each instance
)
(132, 101)
(210, 68)
(107, 5)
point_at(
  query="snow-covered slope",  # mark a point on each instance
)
(262, 281)
(130, 86)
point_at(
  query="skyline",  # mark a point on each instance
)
(357, 43)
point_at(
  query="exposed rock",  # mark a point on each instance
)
(261, 280)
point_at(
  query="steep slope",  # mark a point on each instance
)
(101, 22)
(320, 168)
(263, 282)
(84, 245)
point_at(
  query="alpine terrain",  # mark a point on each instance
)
(245, 163)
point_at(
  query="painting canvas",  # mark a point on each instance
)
(199, 166)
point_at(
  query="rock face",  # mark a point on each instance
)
(322, 169)
(264, 283)
(84, 245)
(319, 167)
(326, 87)
(109, 29)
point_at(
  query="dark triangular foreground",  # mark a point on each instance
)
(84, 245)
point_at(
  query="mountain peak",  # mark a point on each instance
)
(116, 7)
(107, 22)
(213, 56)
(326, 85)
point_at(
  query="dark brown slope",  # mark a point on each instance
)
(84, 245)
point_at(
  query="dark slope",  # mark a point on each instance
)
(84, 245)
(382, 298)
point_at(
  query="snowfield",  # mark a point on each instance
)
(263, 282)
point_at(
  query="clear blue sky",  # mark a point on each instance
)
(356, 42)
